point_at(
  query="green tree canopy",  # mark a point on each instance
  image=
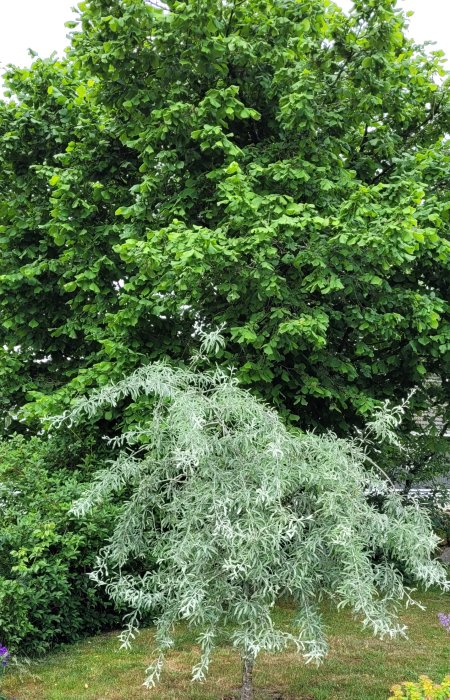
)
(278, 167)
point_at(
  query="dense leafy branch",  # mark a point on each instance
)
(277, 167)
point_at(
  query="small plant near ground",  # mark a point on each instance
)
(4, 660)
(444, 619)
(425, 689)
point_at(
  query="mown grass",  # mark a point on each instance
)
(359, 667)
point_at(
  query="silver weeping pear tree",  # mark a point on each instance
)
(238, 510)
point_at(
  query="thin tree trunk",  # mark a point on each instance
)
(247, 677)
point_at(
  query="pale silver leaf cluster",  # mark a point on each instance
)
(229, 510)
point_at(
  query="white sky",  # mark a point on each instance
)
(39, 24)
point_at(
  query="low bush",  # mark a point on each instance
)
(425, 689)
(46, 597)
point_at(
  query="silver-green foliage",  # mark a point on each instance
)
(238, 510)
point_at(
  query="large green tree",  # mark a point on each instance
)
(278, 167)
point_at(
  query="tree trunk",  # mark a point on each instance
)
(247, 677)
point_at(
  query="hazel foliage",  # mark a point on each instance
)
(281, 167)
(237, 510)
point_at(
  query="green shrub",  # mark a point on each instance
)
(423, 690)
(46, 597)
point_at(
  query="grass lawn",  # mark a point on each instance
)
(359, 667)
